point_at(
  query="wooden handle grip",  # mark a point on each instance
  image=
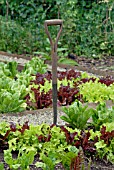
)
(54, 22)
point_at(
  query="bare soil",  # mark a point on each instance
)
(101, 67)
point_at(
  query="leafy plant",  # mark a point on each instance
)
(11, 102)
(43, 55)
(101, 115)
(1, 166)
(11, 95)
(13, 85)
(10, 69)
(105, 144)
(67, 61)
(54, 144)
(34, 66)
(96, 92)
(43, 139)
(23, 161)
(76, 115)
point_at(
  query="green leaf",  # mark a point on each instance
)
(76, 115)
(100, 144)
(1, 166)
(16, 166)
(48, 162)
(66, 119)
(40, 165)
(8, 157)
(73, 149)
(67, 61)
(44, 56)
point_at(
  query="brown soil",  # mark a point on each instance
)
(102, 66)
(104, 63)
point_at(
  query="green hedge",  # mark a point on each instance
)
(88, 25)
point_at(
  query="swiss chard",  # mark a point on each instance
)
(77, 115)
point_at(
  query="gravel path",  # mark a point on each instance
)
(9, 59)
(34, 117)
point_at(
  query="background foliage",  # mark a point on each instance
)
(88, 26)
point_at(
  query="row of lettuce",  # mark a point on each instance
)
(32, 87)
(61, 145)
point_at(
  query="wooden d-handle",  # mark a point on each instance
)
(53, 22)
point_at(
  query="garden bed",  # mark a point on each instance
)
(32, 90)
(26, 137)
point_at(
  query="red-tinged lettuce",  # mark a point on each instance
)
(58, 143)
(40, 78)
(72, 86)
(13, 128)
(70, 137)
(84, 80)
(105, 144)
(86, 144)
(66, 95)
(24, 127)
(106, 80)
(69, 74)
(106, 136)
(42, 138)
(42, 100)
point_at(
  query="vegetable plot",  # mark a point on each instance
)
(89, 134)
(32, 88)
